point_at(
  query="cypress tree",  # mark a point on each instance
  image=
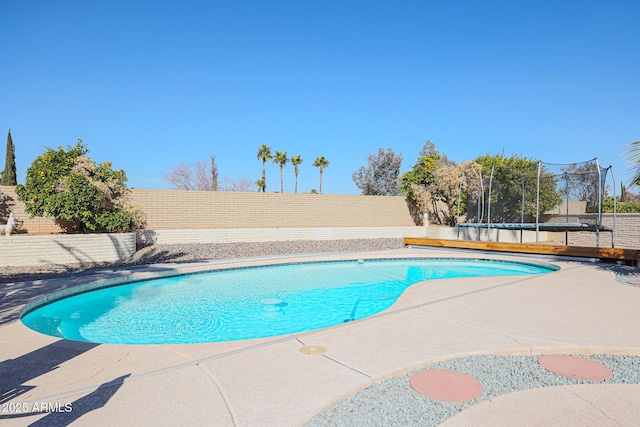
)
(9, 173)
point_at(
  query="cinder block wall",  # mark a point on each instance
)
(9, 203)
(481, 234)
(66, 249)
(175, 209)
(627, 230)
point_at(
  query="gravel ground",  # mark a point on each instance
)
(394, 402)
(203, 251)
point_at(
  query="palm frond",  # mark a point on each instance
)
(633, 158)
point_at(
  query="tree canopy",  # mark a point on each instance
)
(321, 162)
(264, 154)
(433, 186)
(8, 175)
(381, 176)
(79, 194)
(439, 196)
(296, 161)
(510, 174)
(281, 159)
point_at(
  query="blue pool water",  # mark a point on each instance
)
(248, 303)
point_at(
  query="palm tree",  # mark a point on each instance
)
(295, 161)
(281, 159)
(321, 163)
(262, 185)
(633, 153)
(264, 154)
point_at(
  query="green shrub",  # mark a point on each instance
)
(81, 196)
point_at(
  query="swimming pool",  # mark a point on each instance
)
(249, 302)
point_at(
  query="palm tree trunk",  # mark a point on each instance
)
(320, 180)
(296, 188)
(281, 185)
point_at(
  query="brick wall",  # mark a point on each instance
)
(627, 230)
(9, 203)
(175, 209)
(65, 248)
(482, 234)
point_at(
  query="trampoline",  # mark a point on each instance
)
(553, 226)
(516, 199)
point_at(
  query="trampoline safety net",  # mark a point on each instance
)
(516, 196)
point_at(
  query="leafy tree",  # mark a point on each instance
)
(8, 176)
(264, 154)
(262, 185)
(281, 159)
(421, 174)
(433, 186)
(439, 198)
(429, 150)
(81, 195)
(295, 161)
(447, 187)
(506, 191)
(321, 163)
(621, 206)
(633, 154)
(380, 177)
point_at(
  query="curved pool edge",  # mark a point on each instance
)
(202, 269)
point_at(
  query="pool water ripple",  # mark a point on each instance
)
(250, 302)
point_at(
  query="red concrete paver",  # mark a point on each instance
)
(575, 368)
(446, 385)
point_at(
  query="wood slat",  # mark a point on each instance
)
(576, 251)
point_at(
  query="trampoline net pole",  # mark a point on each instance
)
(538, 205)
(599, 223)
(489, 206)
(481, 200)
(458, 213)
(613, 233)
(522, 209)
(566, 183)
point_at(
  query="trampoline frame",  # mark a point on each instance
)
(538, 226)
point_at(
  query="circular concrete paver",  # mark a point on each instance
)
(446, 385)
(575, 368)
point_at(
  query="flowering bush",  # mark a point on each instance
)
(81, 196)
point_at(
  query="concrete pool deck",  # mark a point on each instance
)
(580, 309)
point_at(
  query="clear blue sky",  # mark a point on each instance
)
(148, 85)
